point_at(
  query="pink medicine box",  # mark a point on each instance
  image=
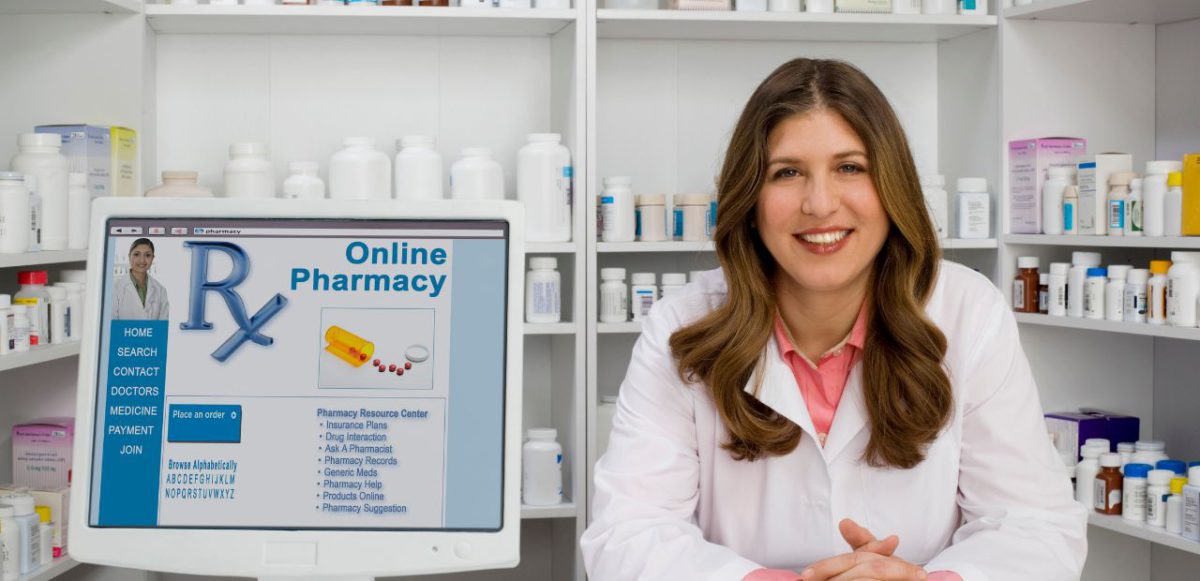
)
(42, 453)
(1027, 163)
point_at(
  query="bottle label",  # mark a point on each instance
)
(1069, 217)
(1099, 495)
(1018, 295)
(1116, 215)
(678, 230)
(1114, 498)
(1043, 301)
(545, 298)
(1135, 216)
(637, 223)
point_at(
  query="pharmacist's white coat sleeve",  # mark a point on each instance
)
(1020, 517)
(647, 484)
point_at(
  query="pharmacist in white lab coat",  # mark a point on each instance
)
(914, 447)
(138, 296)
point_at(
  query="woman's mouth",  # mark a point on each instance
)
(826, 242)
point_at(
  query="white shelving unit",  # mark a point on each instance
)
(716, 25)
(1144, 370)
(1145, 330)
(634, 247)
(70, 6)
(1156, 243)
(652, 95)
(37, 355)
(54, 570)
(969, 244)
(342, 20)
(37, 259)
(1156, 535)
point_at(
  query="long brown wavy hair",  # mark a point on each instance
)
(905, 385)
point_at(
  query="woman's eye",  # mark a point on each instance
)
(850, 168)
(786, 172)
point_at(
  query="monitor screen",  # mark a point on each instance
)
(339, 374)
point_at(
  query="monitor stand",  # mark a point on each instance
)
(325, 578)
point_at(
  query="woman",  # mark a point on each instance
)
(139, 296)
(833, 382)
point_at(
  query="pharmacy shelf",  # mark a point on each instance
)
(550, 248)
(969, 243)
(1145, 329)
(1155, 535)
(797, 26)
(37, 355)
(70, 6)
(631, 247)
(1117, 11)
(1172, 242)
(356, 20)
(45, 257)
(54, 569)
(630, 327)
(551, 328)
(564, 510)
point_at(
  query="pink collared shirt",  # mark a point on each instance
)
(821, 384)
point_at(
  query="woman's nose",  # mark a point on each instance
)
(822, 198)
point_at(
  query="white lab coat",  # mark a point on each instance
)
(127, 305)
(990, 502)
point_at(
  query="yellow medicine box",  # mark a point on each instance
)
(1191, 194)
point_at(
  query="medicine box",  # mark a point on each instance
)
(59, 502)
(1027, 163)
(88, 150)
(42, 453)
(124, 162)
(1191, 194)
(868, 6)
(1092, 177)
(1071, 429)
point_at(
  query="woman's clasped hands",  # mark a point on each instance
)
(871, 559)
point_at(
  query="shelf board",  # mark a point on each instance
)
(564, 510)
(550, 328)
(37, 355)
(969, 243)
(54, 569)
(356, 20)
(1175, 242)
(70, 6)
(1145, 329)
(1157, 535)
(45, 257)
(1116, 11)
(674, 246)
(794, 26)
(629, 327)
(550, 248)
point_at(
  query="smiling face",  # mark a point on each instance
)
(140, 259)
(818, 212)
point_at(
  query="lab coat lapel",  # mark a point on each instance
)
(850, 417)
(778, 390)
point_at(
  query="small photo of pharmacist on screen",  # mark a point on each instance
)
(138, 296)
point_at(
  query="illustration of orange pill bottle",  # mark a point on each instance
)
(347, 346)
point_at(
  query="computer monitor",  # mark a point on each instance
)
(300, 388)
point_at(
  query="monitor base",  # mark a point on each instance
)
(329, 578)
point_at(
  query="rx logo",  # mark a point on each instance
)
(248, 328)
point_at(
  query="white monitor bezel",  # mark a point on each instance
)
(337, 553)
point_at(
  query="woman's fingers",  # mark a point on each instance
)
(860, 539)
(861, 565)
(884, 569)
